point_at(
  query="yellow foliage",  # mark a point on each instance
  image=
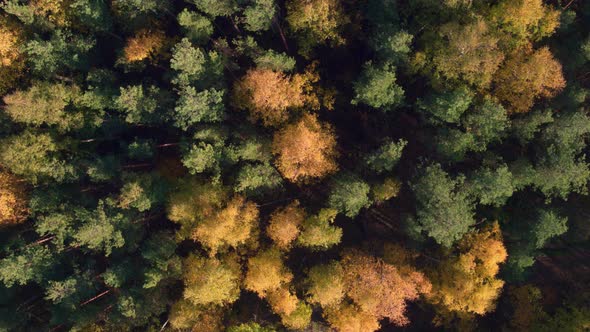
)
(9, 44)
(348, 317)
(467, 283)
(268, 95)
(388, 189)
(326, 284)
(55, 11)
(145, 44)
(186, 315)
(469, 53)
(525, 19)
(229, 227)
(528, 75)
(211, 281)
(305, 149)
(379, 288)
(266, 272)
(282, 301)
(319, 21)
(13, 200)
(285, 224)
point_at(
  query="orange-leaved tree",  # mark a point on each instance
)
(285, 224)
(13, 200)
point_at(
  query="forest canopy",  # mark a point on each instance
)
(294, 165)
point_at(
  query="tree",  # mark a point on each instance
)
(377, 87)
(46, 104)
(186, 315)
(316, 22)
(387, 156)
(447, 106)
(468, 53)
(491, 186)
(259, 14)
(269, 95)
(266, 272)
(383, 191)
(443, 209)
(381, 289)
(524, 20)
(349, 194)
(257, 179)
(317, 231)
(231, 226)
(93, 15)
(326, 284)
(201, 157)
(549, 224)
(285, 225)
(29, 265)
(195, 107)
(36, 158)
(13, 200)
(487, 123)
(467, 283)
(100, 229)
(197, 28)
(282, 301)
(188, 61)
(145, 44)
(305, 149)
(249, 327)
(299, 319)
(211, 280)
(526, 76)
(348, 317)
(140, 104)
(63, 51)
(216, 8)
(142, 191)
(10, 40)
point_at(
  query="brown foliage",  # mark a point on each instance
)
(527, 75)
(305, 149)
(13, 200)
(379, 288)
(285, 224)
(145, 44)
(268, 95)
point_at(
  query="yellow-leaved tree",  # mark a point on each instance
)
(305, 149)
(145, 44)
(13, 200)
(266, 272)
(285, 224)
(467, 283)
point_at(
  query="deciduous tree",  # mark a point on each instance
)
(285, 224)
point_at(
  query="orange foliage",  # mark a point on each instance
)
(145, 44)
(468, 283)
(348, 317)
(228, 227)
(13, 200)
(266, 272)
(285, 224)
(268, 95)
(9, 43)
(305, 149)
(282, 301)
(528, 75)
(379, 288)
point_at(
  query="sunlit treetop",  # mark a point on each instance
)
(305, 149)
(316, 22)
(266, 272)
(269, 95)
(211, 280)
(9, 45)
(143, 45)
(13, 199)
(285, 224)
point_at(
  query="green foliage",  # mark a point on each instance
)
(486, 123)
(93, 14)
(349, 194)
(194, 107)
(318, 233)
(201, 157)
(443, 209)
(446, 107)
(491, 186)
(216, 7)
(386, 157)
(549, 224)
(29, 265)
(259, 14)
(249, 327)
(188, 61)
(139, 104)
(142, 191)
(254, 179)
(64, 51)
(196, 27)
(275, 61)
(36, 157)
(377, 88)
